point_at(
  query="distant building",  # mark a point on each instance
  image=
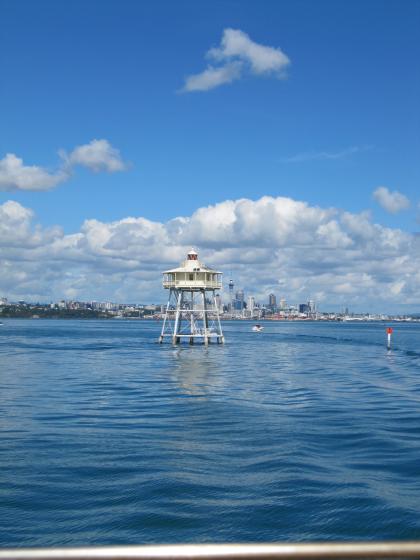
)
(283, 304)
(251, 305)
(272, 301)
(308, 308)
(239, 300)
(231, 285)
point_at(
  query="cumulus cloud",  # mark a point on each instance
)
(391, 201)
(15, 222)
(262, 59)
(14, 175)
(272, 244)
(237, 55)
(98, 155)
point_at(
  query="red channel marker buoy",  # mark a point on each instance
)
(389, 332)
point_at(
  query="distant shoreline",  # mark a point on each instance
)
(102, 317)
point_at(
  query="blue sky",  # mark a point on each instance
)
(343, 122)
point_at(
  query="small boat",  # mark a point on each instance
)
(257, 328)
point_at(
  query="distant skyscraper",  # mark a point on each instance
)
(240, 295)
(272, 302)
(231, 284)
(240, 300)
(251, 304)
(283, 304)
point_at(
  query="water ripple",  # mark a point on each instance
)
(306, 432)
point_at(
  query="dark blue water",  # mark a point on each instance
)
(306, 431)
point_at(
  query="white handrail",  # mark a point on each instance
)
(275, 551)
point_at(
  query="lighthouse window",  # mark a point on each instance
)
(191, 276)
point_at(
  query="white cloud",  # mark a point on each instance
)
(14, 175)
(15, 222)
(272, 244)
(237, 44)
(98, 155)
(237, 54)
(391, 201)
(310, 156)
(213, 77)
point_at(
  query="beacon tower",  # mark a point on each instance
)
(192, 312)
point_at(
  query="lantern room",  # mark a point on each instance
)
(192, 275)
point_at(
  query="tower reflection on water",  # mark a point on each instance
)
(196, 373)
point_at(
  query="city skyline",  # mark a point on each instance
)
(251, 311)
(239, 307)
(281, 143)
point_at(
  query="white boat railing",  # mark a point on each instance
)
(275, 551)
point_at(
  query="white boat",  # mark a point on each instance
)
(257, 328)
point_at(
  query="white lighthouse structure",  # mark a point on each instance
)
(192, 312)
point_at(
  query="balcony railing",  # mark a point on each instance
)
(210, 284)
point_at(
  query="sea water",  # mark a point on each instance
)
(306, 431)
